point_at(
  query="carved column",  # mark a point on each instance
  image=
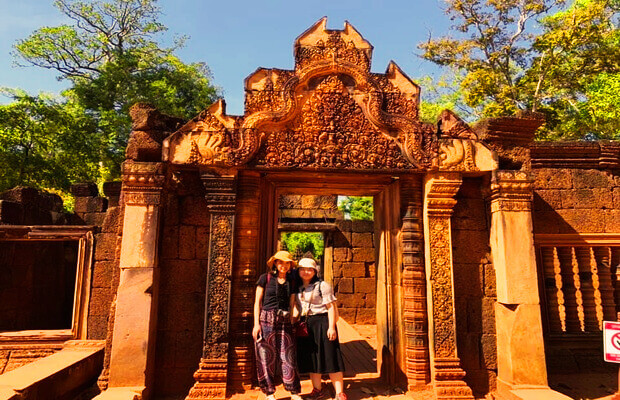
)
(414, 284)
(520, 349)
(446, 372)
(133, 340)
(213, 369)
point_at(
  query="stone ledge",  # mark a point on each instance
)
(527, 392)
(121, 393)
(76, 365)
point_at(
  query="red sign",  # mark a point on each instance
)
(611, 341)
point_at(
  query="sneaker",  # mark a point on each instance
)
(341, 396)
(295, 396)
(271, 397)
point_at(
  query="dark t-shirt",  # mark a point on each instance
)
(276, 295)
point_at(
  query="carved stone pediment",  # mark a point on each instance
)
(330, 112)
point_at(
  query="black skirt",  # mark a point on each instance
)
(316, 353)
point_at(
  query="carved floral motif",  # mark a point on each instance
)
(332, 133)
(457, 155)
(332, 49)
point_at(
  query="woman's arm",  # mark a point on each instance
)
(294, 308)
(258, 303)
(332, 312)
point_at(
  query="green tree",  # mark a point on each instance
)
(357, 208)
(45, 143)
(561, 66)
(301, 242)
(111, 56)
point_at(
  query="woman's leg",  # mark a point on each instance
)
(337, 379)
(316, 381)
(266, 359)
(288, 357)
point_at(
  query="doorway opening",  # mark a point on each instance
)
(338, 232)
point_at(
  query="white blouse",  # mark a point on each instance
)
(315, 302)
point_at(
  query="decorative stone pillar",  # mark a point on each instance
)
(446, 372)
(212, 372)
(133, 340)
(520, 348)
(414, 284)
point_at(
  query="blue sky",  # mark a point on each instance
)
(236, 37)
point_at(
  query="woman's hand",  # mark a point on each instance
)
(256, 333)
(332, 334)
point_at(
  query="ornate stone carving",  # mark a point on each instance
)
(212, 372)
(414, 284)
(142, 182)
(332, 133)
(450, 125)
(511, 191)
(440, 190)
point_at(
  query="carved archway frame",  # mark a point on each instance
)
(329, 116)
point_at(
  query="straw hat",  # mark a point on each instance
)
(308, 263)
(282, 256)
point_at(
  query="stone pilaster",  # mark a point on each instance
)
(446, 372)
(520, 349)
(212, 372)
(133, 341)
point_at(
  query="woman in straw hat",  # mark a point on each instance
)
(319, 352)
(273, 333)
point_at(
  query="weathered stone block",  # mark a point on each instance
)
(488, 344)
(11, 212)
(290, 201)
(342, 254)
(171, 210)
(365, 285)
(95, 218)
(193, 211)
(182, 276)
(296, 214)
(187, 242)
(488, 315)
(584, 222)
(202, 242)
(344, 225)
(102, 274)
(105, 246)
(366, 316)
(100, 300)
(342, 239)
(366, 254)
(546, 200)
(591, 179)
(490, 286)
(84, 189)
(371, 300)
(112, 221)
(345, 285)
(467, 279)
(170, 242)
(354, 270)
(612, 221)
(348, 314)
(361, 240)
(338, 269)
(97, 327)
(469, 352)
(350, 300)
(547, 178)
(362, 226)
(587, 198)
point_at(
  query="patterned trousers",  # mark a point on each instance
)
(276, 352)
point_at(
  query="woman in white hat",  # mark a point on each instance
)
(319, 352)
(275, 343)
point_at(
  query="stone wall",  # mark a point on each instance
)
(354, 271)
(183, 265)
(474, 288)
(576, 201)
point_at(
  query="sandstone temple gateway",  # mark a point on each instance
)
(493, 263)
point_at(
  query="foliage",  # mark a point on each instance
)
(301, 242)
(45, 143)
(112, 59)
(440, 94)
(357, 208)
(560, 67)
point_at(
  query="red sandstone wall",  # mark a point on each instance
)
(183, 265)
(474, 288)
(576, 200)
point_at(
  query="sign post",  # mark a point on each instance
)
(611, 346)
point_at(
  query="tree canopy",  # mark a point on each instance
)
(558, 58)
(111, 55)
(357, 207)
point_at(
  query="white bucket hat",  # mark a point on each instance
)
(308, 263)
